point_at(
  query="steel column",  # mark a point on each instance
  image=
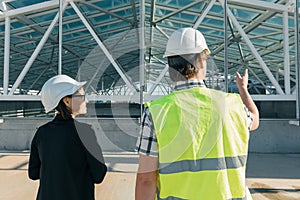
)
(297, 54)
(60, 37)
(142, 53)
(225, 47)
(152, 18)
(6, 54)
(287, 85)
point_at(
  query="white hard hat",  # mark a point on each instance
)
(185, 41)
(56, 88)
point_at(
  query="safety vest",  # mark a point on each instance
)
(202, 137)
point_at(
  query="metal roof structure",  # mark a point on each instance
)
(118, 44)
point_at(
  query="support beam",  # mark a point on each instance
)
(160, 77)
(287, 85)
(297, 54)
(178, 11)
(259, 80)
(98, 68)
(60, 23)
(20, 51)
(135, 20)
(6, 56)
(251, 26)
(152, 18)
(38, 78)
(225, 46)
(39, 29)
(274, 97)
(104, 49)
(277, 47)
(142, 53)
(35, 53)
(261, 5)
(2, 5)
(253, 50)
(265, 35)
(161, 31)
(201, 17)
(105, 98)
(159, 60)
(31, 9)
(238, 43)
(105, 11)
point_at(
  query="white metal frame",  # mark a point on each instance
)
(6, 52)
(142, 53)
(104, 49)
(35, 53)
(60, 23)
(253, 50)
(262, 5)
(29, 9)
(201, 17)
(136, 98)
(287, 85)
(7, 14)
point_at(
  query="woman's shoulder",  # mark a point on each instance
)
(82, 125)
(45, 125)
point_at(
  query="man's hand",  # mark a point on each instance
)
(242, 81)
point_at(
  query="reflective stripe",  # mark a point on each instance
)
(202, 164)
(175, 198)
(170, 198)
(244, 198)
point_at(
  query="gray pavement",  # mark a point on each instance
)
(269, 177)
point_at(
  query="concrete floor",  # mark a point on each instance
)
(269, 177)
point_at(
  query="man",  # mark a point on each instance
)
(194, 141)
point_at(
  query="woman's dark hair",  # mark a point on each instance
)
(184, 67)
(64, 111)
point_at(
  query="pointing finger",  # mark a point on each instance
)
(238, 75)
(245, 72)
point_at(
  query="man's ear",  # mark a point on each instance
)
(201, 62)
(67, 101)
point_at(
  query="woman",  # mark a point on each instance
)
(65, 155)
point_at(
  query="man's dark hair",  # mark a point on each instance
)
(63, 110)
(184, 67)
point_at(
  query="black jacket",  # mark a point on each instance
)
(67, 159)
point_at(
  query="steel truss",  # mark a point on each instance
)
(272, 62)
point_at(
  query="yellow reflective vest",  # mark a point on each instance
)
(202, 137)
